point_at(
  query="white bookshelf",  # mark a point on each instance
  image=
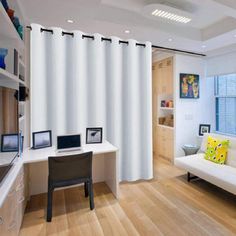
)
(7, 29)
(10, 39)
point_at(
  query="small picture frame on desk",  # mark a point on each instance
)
(204, 128)
(42, 139)
(10, 143)
(94, 135)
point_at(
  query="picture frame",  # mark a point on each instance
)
(204, 128)
(94, 135)
(189, 86)
(10, 142)
(42, 139)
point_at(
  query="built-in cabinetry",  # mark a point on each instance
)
(163, 109)
(13, 195)
(12, 210)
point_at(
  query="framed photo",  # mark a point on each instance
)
(189, 86)
(42, 139)
(94, 135)
(10, 143)
(204, 128)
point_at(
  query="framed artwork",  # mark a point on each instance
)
(189, 86)
(10, 143)
(204, 128)
(94, 135)
(42, 139)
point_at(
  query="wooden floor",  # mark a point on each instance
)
(167, 205)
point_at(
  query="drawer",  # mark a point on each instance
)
(9, 214)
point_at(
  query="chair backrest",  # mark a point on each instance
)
(70, 167)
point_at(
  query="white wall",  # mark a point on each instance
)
(223, 64)
(189, 113)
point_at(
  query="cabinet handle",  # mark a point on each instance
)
(1, 221)
(12, 225)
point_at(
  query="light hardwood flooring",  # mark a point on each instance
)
(167, 205)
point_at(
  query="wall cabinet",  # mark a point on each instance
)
(165, 76)
(165, 140)
(163, 89)
(12, 211)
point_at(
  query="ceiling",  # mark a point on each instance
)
(213, 25)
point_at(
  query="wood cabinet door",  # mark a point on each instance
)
(169, 76)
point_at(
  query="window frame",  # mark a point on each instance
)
(217, 96)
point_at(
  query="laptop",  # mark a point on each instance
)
(67, 143)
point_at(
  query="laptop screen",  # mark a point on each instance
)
(69, 141)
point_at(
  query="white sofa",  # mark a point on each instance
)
(223, 176)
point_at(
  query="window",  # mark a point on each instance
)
(225, 92)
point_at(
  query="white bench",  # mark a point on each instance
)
(223, 176)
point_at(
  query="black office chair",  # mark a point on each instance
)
(70, 170)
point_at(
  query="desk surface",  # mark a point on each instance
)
(31, 156)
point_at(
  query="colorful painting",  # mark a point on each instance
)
(189, 86)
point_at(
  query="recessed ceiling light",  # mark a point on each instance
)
(70, 21)
(203, 46)
(170, 39)
(235, 35)
(127, 31)
(171, 16)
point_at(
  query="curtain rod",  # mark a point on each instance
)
(125, 42)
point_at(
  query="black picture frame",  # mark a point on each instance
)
(13, 148)
(36, 135)
(189, 86)
(95, 130)
(204, 128)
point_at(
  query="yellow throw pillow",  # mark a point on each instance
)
(216, 150)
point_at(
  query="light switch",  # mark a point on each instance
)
(188, 116)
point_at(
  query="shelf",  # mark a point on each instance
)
(7, 29)
(7, 77)
(165, 126)
(167, 108)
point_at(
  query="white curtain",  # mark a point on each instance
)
(80, 82)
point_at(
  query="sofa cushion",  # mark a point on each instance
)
(223, 176)
(216, 150)
(231, 157)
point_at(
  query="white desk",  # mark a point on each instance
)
(105, 166)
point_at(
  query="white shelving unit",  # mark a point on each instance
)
(8, 31)
(9, 38)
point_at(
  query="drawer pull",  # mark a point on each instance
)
(12, 225)
(21, 199)
(1, 221)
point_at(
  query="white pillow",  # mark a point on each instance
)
(231, 158)
(204, 143)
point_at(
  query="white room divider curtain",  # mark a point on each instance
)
(81, 82)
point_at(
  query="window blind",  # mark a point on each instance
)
(225, 92)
